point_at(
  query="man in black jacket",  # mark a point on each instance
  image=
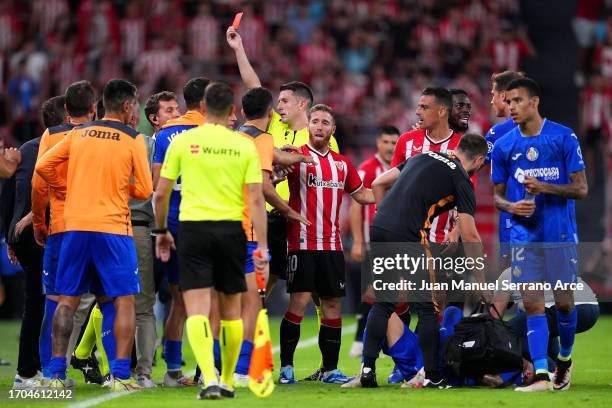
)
(16, 204)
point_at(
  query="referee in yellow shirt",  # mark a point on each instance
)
(288, 126)
(215, 164)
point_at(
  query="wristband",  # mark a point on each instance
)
(159, 231)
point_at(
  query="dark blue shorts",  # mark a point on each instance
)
(536, 263)
(53, 248)
(97, 262)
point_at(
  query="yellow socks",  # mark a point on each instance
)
(88, 341)
(230, 338)
(201, 341)
(96, 319)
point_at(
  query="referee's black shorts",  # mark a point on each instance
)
(277, 244)
(212, 254)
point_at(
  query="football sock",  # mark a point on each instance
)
(230, 338)
(44, 345)
(362, 317)
(57, 367)
(289, 337)
(452, 315)
(121, 368)
(88, 341)
(567, 333)
(173, 354)
(330, 336)
(97, 319)
(244, 360)
(537, 337)
(200, 338)
(217, 354)
(108, 331)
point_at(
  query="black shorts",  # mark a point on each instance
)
(320, 272)
(212, 254)
(277, 245)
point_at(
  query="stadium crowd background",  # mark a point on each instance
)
(369, 59)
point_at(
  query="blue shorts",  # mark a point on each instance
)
(406, 354)
(251, 247)
(171, 268)
(504, 243)
(539, 263)
(113, 256)
(53, 248)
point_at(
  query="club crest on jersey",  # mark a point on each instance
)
(532, 154)
(340, 165)
(194, 149)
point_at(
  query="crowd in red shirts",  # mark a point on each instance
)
(369, 59)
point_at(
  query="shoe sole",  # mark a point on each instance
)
(564, 387)
(210, 396)
(375, 385)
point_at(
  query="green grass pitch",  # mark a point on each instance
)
(591, 385)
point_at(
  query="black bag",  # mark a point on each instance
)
(482, 345)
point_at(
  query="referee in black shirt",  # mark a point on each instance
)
(424, 186)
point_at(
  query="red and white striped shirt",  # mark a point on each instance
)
(415, 142)
(315, 191)
(507, 54)
(368, 171)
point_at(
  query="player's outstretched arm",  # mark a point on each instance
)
(364, 196)
(288, 156)
(247, 73)
(576, 190)
(383, 183)
(277, 201)
(522, 208)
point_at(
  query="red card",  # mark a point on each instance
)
(237, 19)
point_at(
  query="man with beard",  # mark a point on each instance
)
(461, 111)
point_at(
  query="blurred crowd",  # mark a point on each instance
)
(369, 59)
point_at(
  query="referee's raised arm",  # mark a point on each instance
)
(247, 73)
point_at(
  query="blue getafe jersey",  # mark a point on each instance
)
(551, 157)
(495, 133)
(162, 141)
